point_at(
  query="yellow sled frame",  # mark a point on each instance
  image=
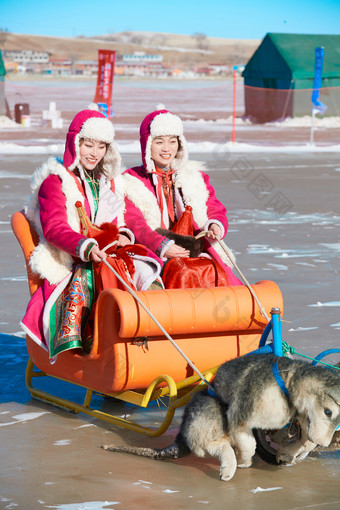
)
(129, 349)
(173, 391)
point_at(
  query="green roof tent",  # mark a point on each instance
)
(2, 66)
(3, 106)
(278, 79)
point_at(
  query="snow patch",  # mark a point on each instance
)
(329, 303)
(6, 123)
(23, 418)
(88, 505)
(259, 489)
(204, 147)
(300, 328)
(62, 442)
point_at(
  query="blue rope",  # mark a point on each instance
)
(279, 380)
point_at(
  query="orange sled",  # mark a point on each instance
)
(132, 360)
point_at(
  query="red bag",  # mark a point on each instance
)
(192, 272)
(186, 273)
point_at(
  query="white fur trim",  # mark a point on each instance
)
(195, 193)
(129, 234)
(112, 162)
(93, 106)
(98, 128)
(166, 124)
(217, 222)
(84, 246)
(49, 262)
(165, 248)
(77, 149)
(150, 165)
(144, 199)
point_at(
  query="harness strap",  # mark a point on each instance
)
(211, 392)
(279, 380)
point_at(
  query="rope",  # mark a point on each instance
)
(231, 258)
(288, 349)
(132, 292)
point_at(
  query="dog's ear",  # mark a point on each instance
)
(334, 393)
(195, 246)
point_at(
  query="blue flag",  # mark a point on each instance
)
(317, 104)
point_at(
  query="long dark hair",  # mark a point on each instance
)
(100, 166)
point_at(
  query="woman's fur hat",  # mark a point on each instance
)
(161, 122)
(92, 124)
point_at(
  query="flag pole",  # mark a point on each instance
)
(318, 106)
(234, 104)
(311, 140)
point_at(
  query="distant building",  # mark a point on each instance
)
(27, 56)
(85, 67)
(278, 79)
(140, 57)
(139, 63)
(58, 66)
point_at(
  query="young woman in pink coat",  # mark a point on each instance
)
(87, 180)
(159, 191)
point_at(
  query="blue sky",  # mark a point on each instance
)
(240, 19)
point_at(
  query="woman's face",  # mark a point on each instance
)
(91, 153)
(164, 150)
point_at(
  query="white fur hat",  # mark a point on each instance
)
(161, 122)
(94, 125)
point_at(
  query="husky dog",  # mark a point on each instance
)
(203, 431)
(248, 396)
(256, 399)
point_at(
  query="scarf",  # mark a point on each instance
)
(164, 186)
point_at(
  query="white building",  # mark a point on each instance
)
(27, 56)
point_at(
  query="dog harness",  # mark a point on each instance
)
(276, 374)
(279, 380)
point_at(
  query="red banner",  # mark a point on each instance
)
(106, 66)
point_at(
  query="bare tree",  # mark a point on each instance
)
(3, 36)
(201, 40)
(137, 39)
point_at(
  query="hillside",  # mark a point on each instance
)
(176, 49)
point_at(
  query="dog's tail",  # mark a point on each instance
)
(175, 451)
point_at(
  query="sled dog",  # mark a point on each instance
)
(249, 396)
(256, 399)
(203, 431)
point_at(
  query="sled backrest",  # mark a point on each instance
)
(28, 240)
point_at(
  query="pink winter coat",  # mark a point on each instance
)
(143, 225)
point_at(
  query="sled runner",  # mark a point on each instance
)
(133, 361)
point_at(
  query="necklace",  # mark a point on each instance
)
(94, 185)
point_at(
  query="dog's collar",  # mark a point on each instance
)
(279, 380)
(211, 392)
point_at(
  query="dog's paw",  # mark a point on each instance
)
(244, 463)
(289, 455)
(226, 473)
